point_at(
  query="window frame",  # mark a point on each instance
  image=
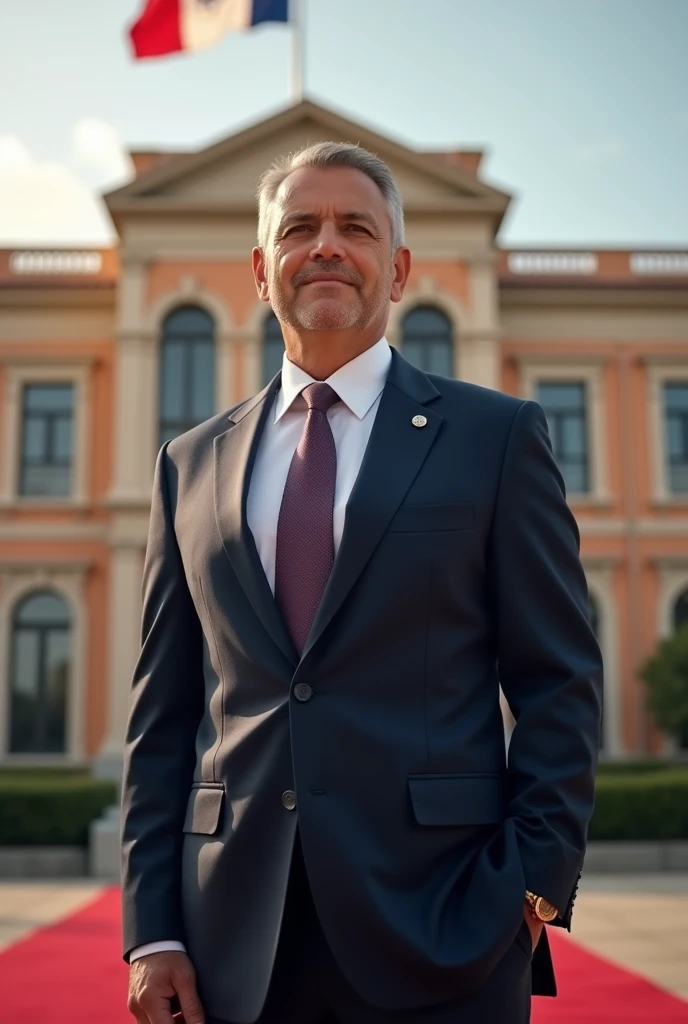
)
(18, 580)
(41, 631)
(579, 413)
(52, 417)
(451, 348)
(659, 374)
(536, 371)
(189, 344)
(18, 376)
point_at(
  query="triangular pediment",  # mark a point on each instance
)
(224, 175)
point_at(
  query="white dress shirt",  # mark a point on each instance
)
(359, 385)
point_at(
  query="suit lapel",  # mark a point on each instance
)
(395, 453)
(234, 457)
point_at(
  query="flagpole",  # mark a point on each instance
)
(296, 16)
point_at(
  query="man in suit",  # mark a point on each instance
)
(320, 823)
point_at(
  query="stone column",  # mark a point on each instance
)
(134, 450)
(480, 355)
(135, 411)
(126, 564)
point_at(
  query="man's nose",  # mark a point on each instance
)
(327, 245)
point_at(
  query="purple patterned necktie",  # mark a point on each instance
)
(305, 539)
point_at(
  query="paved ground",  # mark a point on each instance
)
(639, 921)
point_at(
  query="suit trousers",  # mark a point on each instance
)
(307, 986)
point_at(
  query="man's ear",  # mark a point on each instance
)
(402, 269)
(260, 274)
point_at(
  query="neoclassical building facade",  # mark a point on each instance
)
(105, 354)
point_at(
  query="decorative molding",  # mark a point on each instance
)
(664, 362)
(189, 292)
(17, 530)
(43, 570)
(601, 563)
(428, 293)
(68, 360)
(552, 359)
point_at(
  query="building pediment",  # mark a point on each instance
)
(223, 176)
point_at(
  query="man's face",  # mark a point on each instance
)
(329, 264)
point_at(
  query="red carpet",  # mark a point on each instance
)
(72, 973)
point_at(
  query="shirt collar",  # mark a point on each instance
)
(358, 383)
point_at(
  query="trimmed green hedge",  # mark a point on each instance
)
(54, 807)
(642, 805)
(637, 767)
(50, 807)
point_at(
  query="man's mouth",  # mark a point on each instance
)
(328, 280)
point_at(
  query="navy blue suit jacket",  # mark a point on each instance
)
(458, 571)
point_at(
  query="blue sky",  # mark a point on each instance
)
(582, 106)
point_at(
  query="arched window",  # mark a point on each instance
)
(187, 371)
(273, 348)
(426, 340)
(40, 671)
(680, 610)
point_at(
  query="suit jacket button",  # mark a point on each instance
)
(303, 692)
(289, 799)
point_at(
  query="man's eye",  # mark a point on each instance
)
(296, 227)
(357, 227)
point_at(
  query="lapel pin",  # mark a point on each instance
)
(419, 421)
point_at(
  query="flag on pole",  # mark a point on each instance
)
(167, 26)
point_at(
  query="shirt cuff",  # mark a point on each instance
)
(156, 947)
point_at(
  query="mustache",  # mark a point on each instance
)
(351, 276)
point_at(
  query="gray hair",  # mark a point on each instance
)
(330, 154)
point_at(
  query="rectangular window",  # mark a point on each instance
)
(676, 435)
(565, 405)
(47, 440)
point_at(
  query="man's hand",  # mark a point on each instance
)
(534, 926)
(155, 980)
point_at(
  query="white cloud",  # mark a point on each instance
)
(56, 203)
(98, 153)
(601, 152)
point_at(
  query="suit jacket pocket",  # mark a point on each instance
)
(460, 799)
(424, 518)
(203, 808)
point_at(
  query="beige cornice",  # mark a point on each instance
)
(27, 358)
(564, 358)
(97, 295)
(44, 566)
(673, 358)
(670, 561)
(601, 562)
(46, 532)
(589, 297)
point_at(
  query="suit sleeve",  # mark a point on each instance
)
(549, 663)
(166, 706)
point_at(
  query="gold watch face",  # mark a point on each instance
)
(544, 910)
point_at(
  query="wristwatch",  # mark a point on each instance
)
(540, 908)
